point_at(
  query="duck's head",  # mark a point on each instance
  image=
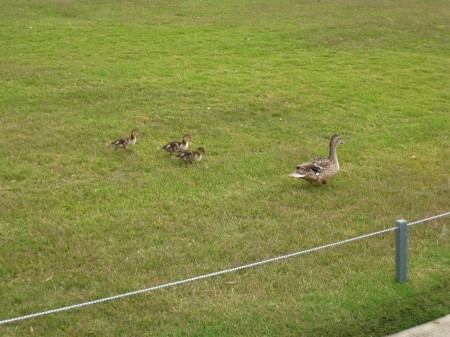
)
(187, 138)
(135, 133)
(200, 151)
(336, 139)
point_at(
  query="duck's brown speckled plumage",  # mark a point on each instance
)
(320, 169)
(178, 146)
(125, 142)
(190, 156)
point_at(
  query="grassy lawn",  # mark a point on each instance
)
(262, 86)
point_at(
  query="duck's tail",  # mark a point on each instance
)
(297, 175)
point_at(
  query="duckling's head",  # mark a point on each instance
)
(134, 133)
(336, 139)
(200, 151)
(187, 138)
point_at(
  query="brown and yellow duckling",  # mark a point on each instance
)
(125, 142)
(190, 156)
(320, 169)
(178, 146)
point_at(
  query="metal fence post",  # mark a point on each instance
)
(401, 251)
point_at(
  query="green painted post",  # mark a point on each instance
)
(401, 251)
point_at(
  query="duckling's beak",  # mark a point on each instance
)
(342, 141)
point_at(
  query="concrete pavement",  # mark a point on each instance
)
(438, 328)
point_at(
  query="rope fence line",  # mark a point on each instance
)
(429, 219)
(196, 278)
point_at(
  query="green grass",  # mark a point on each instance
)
(262, 86)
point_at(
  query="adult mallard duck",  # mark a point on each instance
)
(125, 142)
(320, 169)
(190, 156)
(178, 146)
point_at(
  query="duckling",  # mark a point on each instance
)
(125, 142)
(190, 156)
(320, 169)
(178, 146)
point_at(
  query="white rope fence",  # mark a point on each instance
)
(196, 278)
(429, 219)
